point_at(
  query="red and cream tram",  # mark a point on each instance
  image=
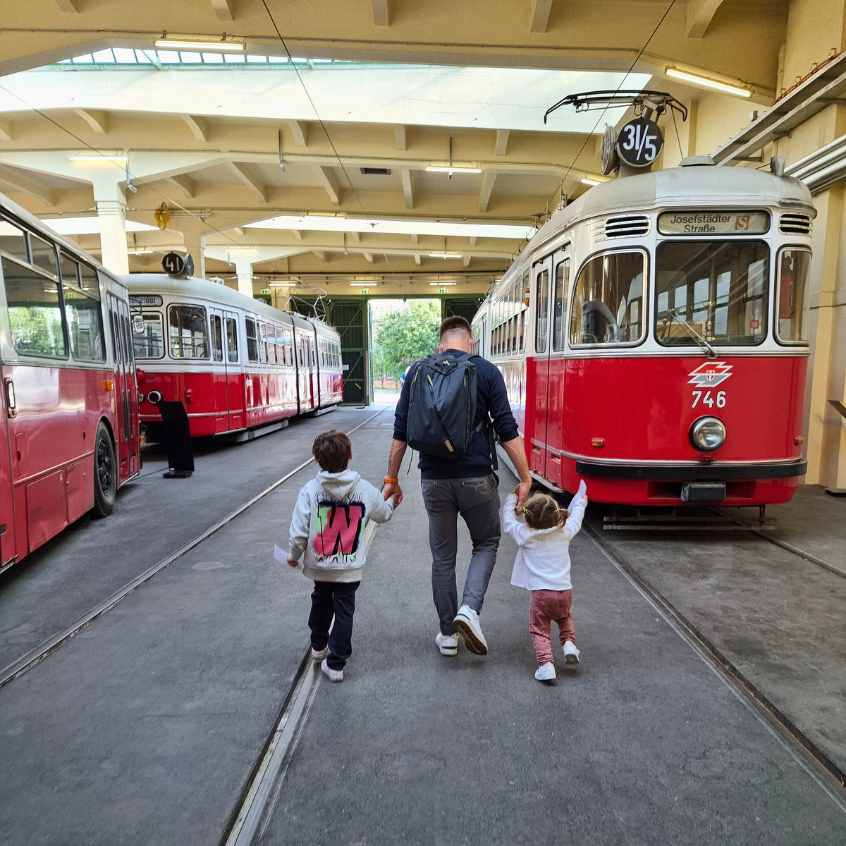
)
(653, 338)
(69, 427)
(236, 364)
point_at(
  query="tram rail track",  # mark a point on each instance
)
(825, 771)
(47, 647)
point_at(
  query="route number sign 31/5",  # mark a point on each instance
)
(639, 142)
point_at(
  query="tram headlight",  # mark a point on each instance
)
(708, 433)
(155, 397)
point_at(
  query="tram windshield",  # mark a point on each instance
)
(711, 292)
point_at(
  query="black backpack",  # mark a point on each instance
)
(442, 405)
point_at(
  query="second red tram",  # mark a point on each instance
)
(235, 363)
(653, 338)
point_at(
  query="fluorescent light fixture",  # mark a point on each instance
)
(199, 43)
(367, 280)
(89, 225)
(450, 169)
(282, 284)
(140, 251)
(362, 284)
(707, 82)
(98, 158)
(587, 180)
(445, 255)
(442, 284)
(385, 226)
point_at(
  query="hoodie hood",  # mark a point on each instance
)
(338, 484)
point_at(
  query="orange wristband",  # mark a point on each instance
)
(390, 480)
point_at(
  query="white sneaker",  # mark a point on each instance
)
(332, 675)
(571, 655)
(319, 654)
(546, 672)
(466, 624)
(447, 644)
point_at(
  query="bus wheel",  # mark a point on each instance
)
(105, 473)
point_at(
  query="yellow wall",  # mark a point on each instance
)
(814, 29)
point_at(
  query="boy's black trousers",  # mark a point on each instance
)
(333, 599)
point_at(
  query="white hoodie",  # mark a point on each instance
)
(328, 524)
(543, 555)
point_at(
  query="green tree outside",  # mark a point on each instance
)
(404, 336)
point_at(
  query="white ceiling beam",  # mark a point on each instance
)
(224, 9)
(18, 181)
(400, 137)
(407, 188)
(501, 148)
(68, 5)
(368, 257)
(700, 13)
(98, 121)
(381, 12)
(299, 129)
(198, 127)
(248, 181)
(488, 180)
(6, 133)
(329, 184)
(418, 259)
(185, 184)
(540, 15)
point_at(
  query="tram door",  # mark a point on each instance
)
(219, 384)
(124, 379)
(231, 357)
(556, 367)
(537, 388)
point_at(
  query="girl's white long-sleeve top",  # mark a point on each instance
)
(543, 555)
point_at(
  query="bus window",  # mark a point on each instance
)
(188, 333)
(231, 340)
(13, 241)
(252, 341)
(217, 337)
(35, 315)
(43, 254)
(148, 335)
(85, 326)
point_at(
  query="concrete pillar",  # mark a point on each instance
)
(194, 237)
(111, 212)
(244, 269)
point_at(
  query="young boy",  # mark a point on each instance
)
(327, 533)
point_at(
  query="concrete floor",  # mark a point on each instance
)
(145, 727)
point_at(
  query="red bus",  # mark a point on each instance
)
(70, 404)
(237, 365)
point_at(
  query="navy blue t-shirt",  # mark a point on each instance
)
(492, 408)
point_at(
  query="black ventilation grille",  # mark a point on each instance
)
(796, 223)
(375, 171)
(622, 227)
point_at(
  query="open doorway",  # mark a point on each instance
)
(401, 331)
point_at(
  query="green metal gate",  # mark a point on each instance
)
(349, 316)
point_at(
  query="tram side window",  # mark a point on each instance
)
(35, 314)
(88, 280)
(217, 337)
(559, 319)
(252, 340)
(792, 286)
(267, 343)
(85, 326)
(542, 314)
(231, 340)
(13, 241)
(148, 335)
(188, 333)
(43, 254)
(714, 291)
(608, 300)
(70, 270)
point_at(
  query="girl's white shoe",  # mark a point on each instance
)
(571, 655)
(332, 675)
(546, 672)
(447, 644)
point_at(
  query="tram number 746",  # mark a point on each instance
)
(710, 399)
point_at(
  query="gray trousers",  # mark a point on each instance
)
(477, 501)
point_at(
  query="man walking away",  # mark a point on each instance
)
(450, 406)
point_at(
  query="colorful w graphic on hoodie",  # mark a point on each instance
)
(339, 526)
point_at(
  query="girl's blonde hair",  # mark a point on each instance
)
(541, 511)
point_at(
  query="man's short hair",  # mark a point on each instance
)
(454, 324)
(332, 451)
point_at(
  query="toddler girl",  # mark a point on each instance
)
(542, 566)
